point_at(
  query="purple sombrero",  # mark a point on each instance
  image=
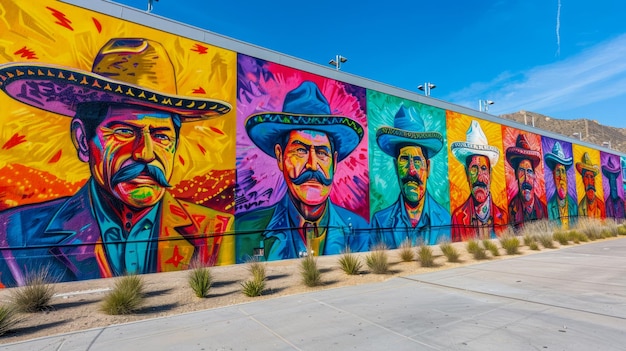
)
(126, 70)
(304, 108)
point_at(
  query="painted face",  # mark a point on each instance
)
(525, 179)
(308, 165)
(132, 154)
(560, 180)
(589, 181)
(412, 169)
(479, 177)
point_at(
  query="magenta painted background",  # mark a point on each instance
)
(262, 87)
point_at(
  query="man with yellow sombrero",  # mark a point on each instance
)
(415, 217)
(126, 117)
(307, 142)
(590, 205)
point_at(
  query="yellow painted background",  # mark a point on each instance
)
(578, 151)
(458, 124)
(39, 31)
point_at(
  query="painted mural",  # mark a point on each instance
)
(477, 187)
(125, 149)
(409, 191)
(589, 182)
(117, 150)
(302, 173)
(524, 176)
(560, 180)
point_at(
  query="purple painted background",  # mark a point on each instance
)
(547, 145)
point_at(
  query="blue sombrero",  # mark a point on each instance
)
(558, 156)
(304, 108)
(408, 129)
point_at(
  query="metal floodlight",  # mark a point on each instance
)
(426, 87)
(337, 61)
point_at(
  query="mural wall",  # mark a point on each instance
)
(125, 149)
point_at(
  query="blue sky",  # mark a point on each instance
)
(561, 58)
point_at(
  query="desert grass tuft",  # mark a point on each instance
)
(200, 281)
(611, 227)
(546, 240)
(534, 246)
(350, 263)
(253, 287)
(36, 294)
(561, 237)
(257, 270)
(536, 228)
(126, 297)
(256, 284)
(425, 256)
(621, 230)
(492, 247)
(377, 260)
(510, 244)
(450, 252)
(8, 318)
(529, 239)
(472, 246)
(406, 251)
(311, 275)
(591, 227)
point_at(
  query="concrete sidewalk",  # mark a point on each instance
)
(570, 299)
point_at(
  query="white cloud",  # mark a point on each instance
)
(595, 75)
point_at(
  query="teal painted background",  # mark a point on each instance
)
(384, 187)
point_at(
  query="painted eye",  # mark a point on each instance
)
(124, 132)
(161, 137)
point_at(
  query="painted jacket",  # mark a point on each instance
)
(64, 236)
(269, 232)
(614, 207)
(572, 209)
(392, 225)
(466, 225)
(517, 214)
(584, 211)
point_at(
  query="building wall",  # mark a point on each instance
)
(232, 196)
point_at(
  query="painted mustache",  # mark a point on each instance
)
(307, 175)
(410, 178)
(135, 170)
(590, 187)
(527, 186)
(480, 184)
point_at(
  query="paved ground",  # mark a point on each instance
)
(570, 299)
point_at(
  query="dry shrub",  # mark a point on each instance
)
(311, 275)
(36, 294)
(377, 260)
(406, 251)
(126, 297)
(350, 263)
(449, 251)
(425, 256)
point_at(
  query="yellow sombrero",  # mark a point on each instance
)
(126, 70)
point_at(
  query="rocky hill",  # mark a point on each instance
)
(591, 131)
